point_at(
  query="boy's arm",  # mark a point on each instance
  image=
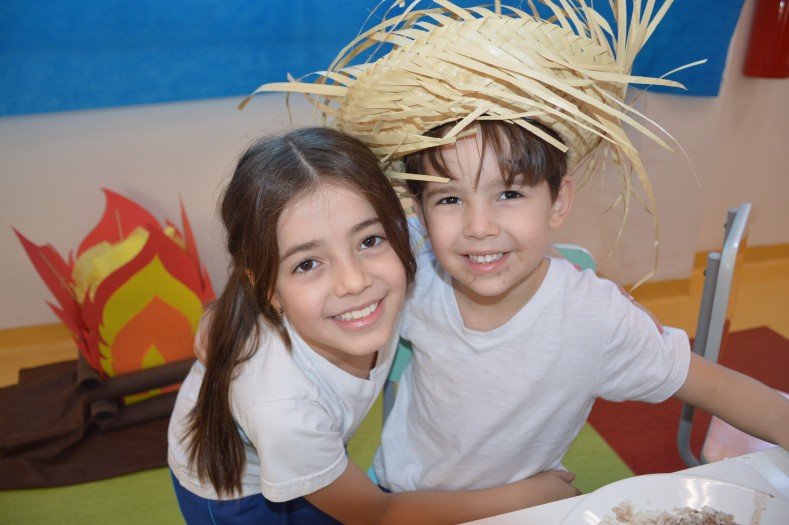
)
(353, 498)
(738, 399)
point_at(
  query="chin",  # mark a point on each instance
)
(487, 289)
(374, 344)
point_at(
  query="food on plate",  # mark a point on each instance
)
(624, 513)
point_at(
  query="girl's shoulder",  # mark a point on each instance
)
(272, 374)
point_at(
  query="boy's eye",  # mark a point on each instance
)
(449, 200)
(371, 241)
(305, 266)
(510, 194)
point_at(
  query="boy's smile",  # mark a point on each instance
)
(486, 259)
(489, 236)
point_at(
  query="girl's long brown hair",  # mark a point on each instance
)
(269, 175)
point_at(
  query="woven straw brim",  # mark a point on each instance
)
(450, 64)
(465, 70)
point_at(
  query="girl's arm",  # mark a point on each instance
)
(738, 399)
(353, 498)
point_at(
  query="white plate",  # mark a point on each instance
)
(659, 492)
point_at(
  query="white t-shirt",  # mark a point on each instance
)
(295, 411)
(478, 409)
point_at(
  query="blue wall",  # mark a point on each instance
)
(64, 55)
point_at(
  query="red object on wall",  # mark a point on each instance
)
(768, 47)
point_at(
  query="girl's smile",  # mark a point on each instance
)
(360, 318)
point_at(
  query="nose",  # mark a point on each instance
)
(351, 277)
(479, 222)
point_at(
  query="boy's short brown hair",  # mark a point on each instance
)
(522, 156)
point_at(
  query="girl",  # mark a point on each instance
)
(295, 350)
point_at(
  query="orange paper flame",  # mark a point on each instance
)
(134, 296)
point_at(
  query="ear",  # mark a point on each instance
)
(276, 303)
(560, 209)
(273, 300)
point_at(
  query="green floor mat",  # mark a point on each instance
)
(147, 496)
(142, 497)
(594, 462)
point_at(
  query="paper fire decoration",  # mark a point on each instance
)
(133, 297)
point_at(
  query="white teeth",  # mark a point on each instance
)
(484, 259)
(357, 314)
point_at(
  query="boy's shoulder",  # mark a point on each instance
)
(577, 284)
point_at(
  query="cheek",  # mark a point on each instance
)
(393, 271)
(304, 312)
(280, 293)
(293, 297)
(441, 232)
(402, 282)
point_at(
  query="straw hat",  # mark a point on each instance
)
(445, 64)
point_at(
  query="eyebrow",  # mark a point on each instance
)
(310, 245)
(365, 224)
(446, 188)
(440, 188)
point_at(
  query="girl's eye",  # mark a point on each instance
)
(305, 266)
(371, 241)
(449, 200)
(510, 194)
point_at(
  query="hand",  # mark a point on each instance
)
(548, 486)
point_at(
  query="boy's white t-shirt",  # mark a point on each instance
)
(478, 409)
(295, 411)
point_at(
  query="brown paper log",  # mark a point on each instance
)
(94, 388)
(103, 412)
(150, 409)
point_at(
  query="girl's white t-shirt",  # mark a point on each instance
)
(295, 411)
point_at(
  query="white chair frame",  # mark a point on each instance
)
(713, 312)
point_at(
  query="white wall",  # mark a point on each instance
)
(751, 161)
(53, 166)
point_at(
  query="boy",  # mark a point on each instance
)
(511, 347)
